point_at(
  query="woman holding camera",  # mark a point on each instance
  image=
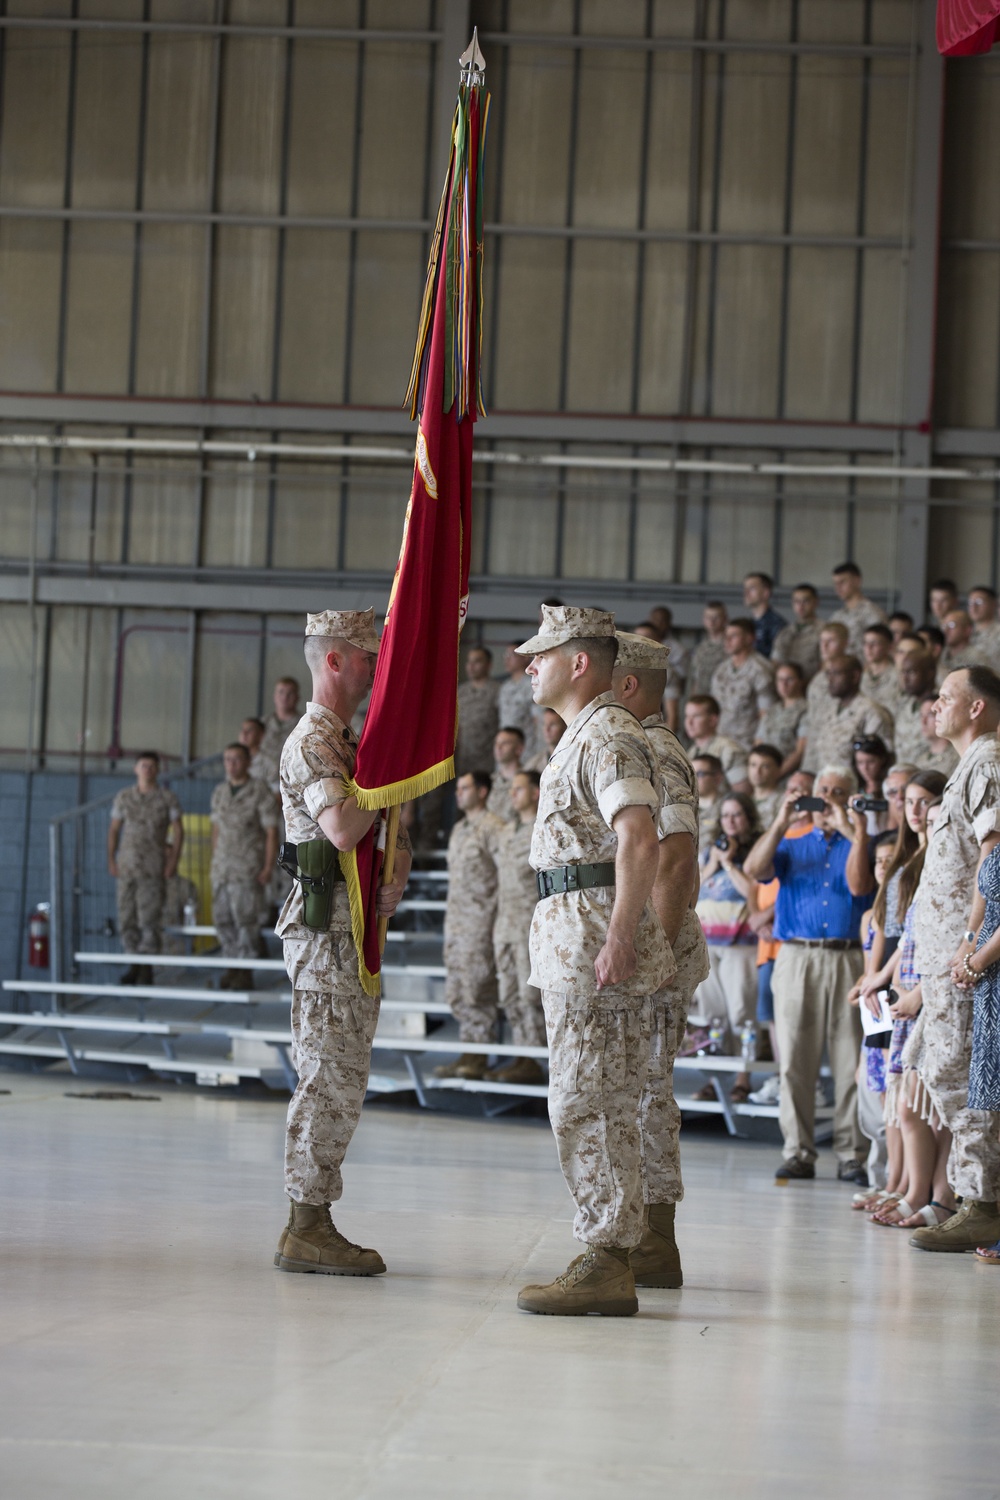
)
(871, 759)
(727, 909)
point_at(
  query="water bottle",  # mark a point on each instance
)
(191, 913)
(748, 1041)
(716, 1043)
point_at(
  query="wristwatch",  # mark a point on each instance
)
(969, 935)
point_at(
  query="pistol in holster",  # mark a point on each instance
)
(316, 867)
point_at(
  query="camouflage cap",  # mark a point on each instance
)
(354, 625)
(637, 653)
(564, 622)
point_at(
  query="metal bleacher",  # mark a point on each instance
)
(182, 1027)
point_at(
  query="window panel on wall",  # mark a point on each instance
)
(961, 537)
(388, 283)
(610, 18)
(315, 280)
(16, 489)
(536, 122)
(596, 523)
(171, 309)
(376, 506)
(35, 103)
(813, 534)
(250, 127)
(965, 387)
(881, 353)
(661, 331)
(99, 307)
(820, 334)
(325, 78)
(599, 371)
(283, 657)
(234, 521)
(831, 20)
(227, 668)
(669, 141)
(154, 653)
(550, 17)
(106, 122)
(30, 272)
(243, 293)
(16, 660)
(893, 21)
(827, 144)
(747, 313)
(754, 140)
(758, 20)
(740, 525)
(887, 165)
(970, 184)
(530, 279)
(876, 531)
(524, 519)
(68, 725)
(83, 489)
(307, 503)
(609, 138)
(163, 508)
(655, 524)
(392, 163)
(177, 173)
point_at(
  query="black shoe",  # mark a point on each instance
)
(131, 975)
(795, 1167)
(852, 1171)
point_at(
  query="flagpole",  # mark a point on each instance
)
(388, 866)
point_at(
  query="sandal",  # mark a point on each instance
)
(901, 1207)
(739, 1093)
(865, 1198)
(706, 1094)
(989, 1254)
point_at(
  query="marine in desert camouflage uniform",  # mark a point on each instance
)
(470, 985)
(598, 951)
(638, 675)
(333, 1019)
(142, 861)
(244, 850)
(508, 753)
(478, 714)
(517, 895)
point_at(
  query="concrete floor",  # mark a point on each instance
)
(149, 1349)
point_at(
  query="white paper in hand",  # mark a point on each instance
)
(870, 1024)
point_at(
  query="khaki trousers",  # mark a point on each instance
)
(945, 1043)
(470, 986)
(810, 988)
(140, 912)
(598, 1058)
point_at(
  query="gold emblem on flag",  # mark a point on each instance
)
(424, 465)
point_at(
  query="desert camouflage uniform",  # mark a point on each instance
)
(964, 656)
(944, 760)
(333, 1020)
(516, 710)
(767, 805)
(857, 621)
(478, 722)
(986, 638)
(470, 985)
(743, 693)
(940, 1046)
(242, 815)
(266, 766)
(142, 849)
(659, 1116)
(884, 689)
(781, 726)
(598, 1040)
(799, 642)
(732, 756)
(840, 727)
(498, 802)
(708, 821)
(908, 736)
(705, 658)
(517, 895)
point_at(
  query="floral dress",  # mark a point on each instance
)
(984, 1072)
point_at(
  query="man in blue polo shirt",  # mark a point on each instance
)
(825, 879)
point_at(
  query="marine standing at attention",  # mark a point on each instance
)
(140, 858)
(598, 951)
(333, 1019)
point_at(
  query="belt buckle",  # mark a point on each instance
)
(571, 878)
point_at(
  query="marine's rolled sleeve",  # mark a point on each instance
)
(329, 791)
(629, 792)
(674, 819)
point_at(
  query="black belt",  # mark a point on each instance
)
(837, 943)
(573, 878)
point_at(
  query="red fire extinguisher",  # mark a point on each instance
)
(38, 936)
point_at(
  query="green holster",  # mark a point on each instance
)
(318, 871)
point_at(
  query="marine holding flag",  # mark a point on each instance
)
(352, 862)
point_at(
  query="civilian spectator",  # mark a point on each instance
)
(757, 590)
(916, 679)
(986, 626)
(701, 725)
(894, 790)
(854, 716)
(764, 771)
(871, 759)
(959, 648)
(947, 908)
(981, 972)
(881, 1166)
(726, 904)
(710, 652)
(743, 685)
(880, 679)
(900, 623)
(798, 642)
(825, 877)
(711, 779)
(939, 755)
(781, 724)
(856, 612)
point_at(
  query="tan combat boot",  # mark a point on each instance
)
(975, 1223)
(521, 1070)
(599, 1281)
(469, 1065)
(657, 1261)
(310, 1242)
